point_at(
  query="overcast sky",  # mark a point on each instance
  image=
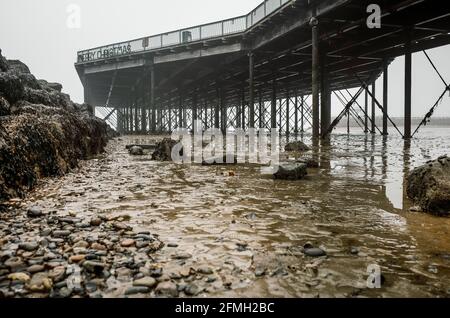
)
(36, 32)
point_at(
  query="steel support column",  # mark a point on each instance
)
(385, 96)
(273, 106)
(366, 112)
(315, 77)
(152, 98)
(217, 110)
(251, 91)
(373, 109)
(408, 83)
(288, 115)
(180, 112)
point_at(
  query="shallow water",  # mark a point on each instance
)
(356, 199)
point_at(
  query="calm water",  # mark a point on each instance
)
(356, 199)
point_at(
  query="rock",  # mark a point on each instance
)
(310, 162)
(137, 290)
(29, 247)
(354, 250)
(35, 269)
(260, 271)
(40, 282)
(172, 245)
(166, 289)
(163, 151)
(205, 270)
(4, 67)
(21, 277)
(296, 146)
(14, 263)
(429, 186)
(5, 107)
(136, 151)
(34, 212)
(57, 274)
(61, 234)
(181, 256)
(314, 252)
(96, 222)
(18, 67)
(146, 282)
(98, 247)
(192, 290)
(291, 171)
(11, 87)
(127, 243)
(77, 258)
(93, 267)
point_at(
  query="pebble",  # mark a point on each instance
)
(260, 271)
(21, 277)
(172, 245)
(35, 269)
(315, 252)
(98, 247)
(96, 222)
(77, 258)
(182, 256)
(34, 212)
(137, 290)
(205, 270)
(166, 289)
(29, 247)
(354, 251)
(192, 290)
(93, 267)
(146, 282)
(40, 282)
(60, 234)
(127, 243)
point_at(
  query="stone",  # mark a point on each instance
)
(136, 151)
(21, 277)
(29, 247)
(260, 271)
(166, 289)
(291, 171)
(98, 247)
(96, 222)
(127, 243)
(35, 269)
(205, 270)
(172, 245)
(314, 252)
(5, 107)
(192, 290)
(57, 274)
(137, 290)
(146, 282)
(181, 256)
(34, 212)
(429, 186)
(40, 282)
(94, 267)
(296, 146)
(163, 151)
(77, 258)
(61, 234)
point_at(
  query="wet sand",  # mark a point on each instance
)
(246, 231)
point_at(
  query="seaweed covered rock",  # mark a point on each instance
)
(163, 151)
(11, 87)
(3, 63)
(296, 146)
(5, 108)
(429, 186)
(42, 132)
(291, 171)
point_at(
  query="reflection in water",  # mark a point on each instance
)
(354, 207)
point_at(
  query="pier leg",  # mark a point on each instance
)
(194, 111)
(296, 113)
(261, 110)
(373, 108)
(302, 110)
(366, 112)
(288, 115)
(385, 97)
(180, 112)
(152, 99)
(217, 111)
(243, 110)
(251, 92)
(408, 78)
(315, 79)
(273, 106)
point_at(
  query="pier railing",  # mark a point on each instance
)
(184, 36)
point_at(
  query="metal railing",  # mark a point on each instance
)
(183, 36)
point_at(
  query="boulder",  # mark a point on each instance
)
(3, 63)
(50, 86)
(18, 67)
(429, 186)
(5, 107)
(136, 151)
(163, 151)
(291, 171)
(296, 146)
(11, 87)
